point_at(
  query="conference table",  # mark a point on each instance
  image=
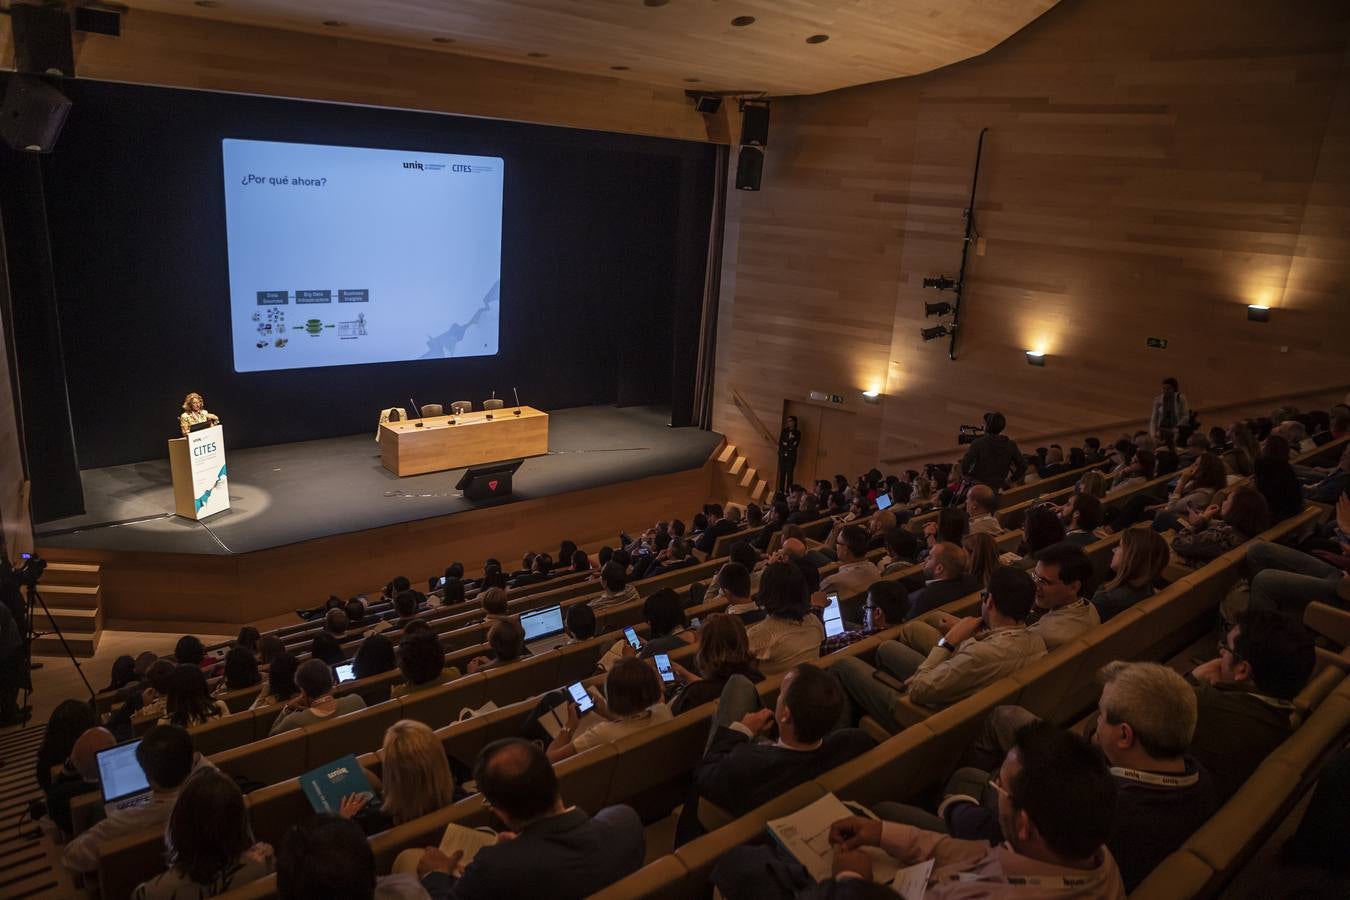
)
(437, 443)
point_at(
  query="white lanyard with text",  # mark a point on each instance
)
(1155, 778)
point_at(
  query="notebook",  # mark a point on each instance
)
(325, 786)
(806, 836)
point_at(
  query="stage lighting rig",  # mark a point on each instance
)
(937, 331)
(941, 308)
(940, 283)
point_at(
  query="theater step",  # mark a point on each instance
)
(737, 466)
(748, 476)
(728, 453)
(70, 573)
(77, 596)
(757, 493)
(82, 629)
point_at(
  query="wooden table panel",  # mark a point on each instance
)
(437, 443)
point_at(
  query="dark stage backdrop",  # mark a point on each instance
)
(598, 230)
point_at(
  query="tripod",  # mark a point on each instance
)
(34, 601)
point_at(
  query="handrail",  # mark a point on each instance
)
(945, 452)
(752, 417)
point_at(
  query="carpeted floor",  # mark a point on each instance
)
(294, 492)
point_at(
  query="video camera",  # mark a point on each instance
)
(968, 433)
(30, 569)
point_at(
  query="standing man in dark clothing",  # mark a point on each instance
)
(788, 441)
(992, 458)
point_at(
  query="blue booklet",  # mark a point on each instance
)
(327, 785)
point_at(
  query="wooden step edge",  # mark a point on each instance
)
(728, 452)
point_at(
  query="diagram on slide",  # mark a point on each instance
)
(407, 242)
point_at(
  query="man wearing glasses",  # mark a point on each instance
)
(1245, 694)
(1062, 613)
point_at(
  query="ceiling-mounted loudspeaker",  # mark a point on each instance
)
(32, 114)
(43, 43)
(755, 124)
(749, 168)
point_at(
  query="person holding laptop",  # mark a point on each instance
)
(140, 783)
(195, 414)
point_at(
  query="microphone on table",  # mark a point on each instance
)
(517, 393)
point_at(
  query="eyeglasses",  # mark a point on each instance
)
(1041, 579)
(1225, 646)
(997, 784)
(984, 595)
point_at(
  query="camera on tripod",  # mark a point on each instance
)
(29, 572)
(968, 434)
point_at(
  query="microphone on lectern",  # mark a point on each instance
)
(517, 393)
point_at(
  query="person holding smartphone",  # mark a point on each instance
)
(633, 700)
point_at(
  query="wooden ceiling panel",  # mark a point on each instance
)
(684, 43)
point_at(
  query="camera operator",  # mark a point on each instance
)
(14, 673)
(993, 459)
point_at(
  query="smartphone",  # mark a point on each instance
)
(632, 638)
(580, 697)
(345, 672)
(868, 610)
(834, 620)
(663, 666)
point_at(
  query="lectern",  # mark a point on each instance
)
(200, 488)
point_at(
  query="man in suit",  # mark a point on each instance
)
(947, 579)
(738, 773)
(556, 850)
(718, 525)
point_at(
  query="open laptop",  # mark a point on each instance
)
(542, 628)
(121, 777)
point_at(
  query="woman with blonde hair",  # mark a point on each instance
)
(984, 556)
(1138, 560)
(194, 413)
(723, 651)
(1093, 483)
(416, 779)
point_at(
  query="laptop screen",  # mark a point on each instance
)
(120, 774)
(542, 623)
(834, 622)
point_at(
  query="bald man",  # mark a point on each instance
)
(981, 504)
(948, 578)
(794, 551)
(77, 775)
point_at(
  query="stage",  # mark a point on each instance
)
(289, 493)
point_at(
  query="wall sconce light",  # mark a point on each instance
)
(1035, 358)
(1257, 313)
(871, 396)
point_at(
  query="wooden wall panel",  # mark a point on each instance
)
(1151, 168)
(191, 52)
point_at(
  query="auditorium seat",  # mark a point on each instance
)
(432, 409)
(494, 403)
(459, 407)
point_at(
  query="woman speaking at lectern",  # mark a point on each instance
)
(194, 413)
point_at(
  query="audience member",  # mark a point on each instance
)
(496, 608)
(551, 843)
(324, 857)
(856, 573)
(739, 772)
(902, 550)
(983, 556)
(579, 624)
(374, 656)
(1207, 535)
(269, 645)
(506, 640)
(632, 702)
(1041, 528)
(1138, 560)
(1245, 694)
(1063, 576)
(723, 651)
(316, 702)
(165, 755)
(981, 504)
(947, 578)
(422, 662)
(189, 702)
(210, 842)
(790, 633)
(58, 773)
(617, 590)
(281, 686)
(241, 670)
(1081, 516)
(326, 647)
(669, 628)
(734, 585)
(886, 606)
(938, 669)
(1284, 579)
(416, 779)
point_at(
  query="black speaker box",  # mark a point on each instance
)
(488, 482)
(32, 114)
(755, 125)
(43, 42)
(749, 168)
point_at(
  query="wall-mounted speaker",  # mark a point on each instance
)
(749, 168)
(32, 114)
(755, 124)
(43, 42)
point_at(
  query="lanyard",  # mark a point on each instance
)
(1157, 779)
